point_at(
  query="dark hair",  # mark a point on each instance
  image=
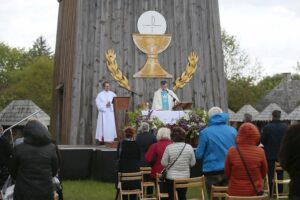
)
(247, 117)
(105, 82)
(276, 114)
(163, 82)
(178, 134)
(129, 132)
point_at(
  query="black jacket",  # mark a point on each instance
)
(130, 156)
(289, 157)
(5, 152)
(144, 141)
(271, 137)
(33, 164)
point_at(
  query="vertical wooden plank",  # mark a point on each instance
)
(63, 69)
(104, 24)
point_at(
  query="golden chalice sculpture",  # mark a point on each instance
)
(152, 45)
(151, 40)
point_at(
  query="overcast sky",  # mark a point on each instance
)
(268, 30)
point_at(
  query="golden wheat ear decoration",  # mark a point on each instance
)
(115, 72)
(188, 73)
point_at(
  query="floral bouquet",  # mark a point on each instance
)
(193, 122)
(136, 118)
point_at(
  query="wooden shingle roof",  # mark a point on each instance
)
(266, 114)
(295, 114)
(231, 115)
(239, 116)
(286, 95)
(18, 110)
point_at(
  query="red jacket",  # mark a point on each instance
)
(254, 156)
(155, 153)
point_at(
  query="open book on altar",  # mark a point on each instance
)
(183, 106)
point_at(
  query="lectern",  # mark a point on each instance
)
(121, 106)
(183, 106)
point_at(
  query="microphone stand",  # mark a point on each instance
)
(132, 96)
(174, 99)
(132, 93)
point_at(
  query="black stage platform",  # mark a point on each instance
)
(94, 162)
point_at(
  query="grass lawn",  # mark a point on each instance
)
(94, 190)
(88, 190)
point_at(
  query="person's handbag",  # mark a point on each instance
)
(164, 172)
(258, 193)
(163, 175)
(7, 190)
(56, 183)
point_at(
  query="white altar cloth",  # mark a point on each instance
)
(166, 116)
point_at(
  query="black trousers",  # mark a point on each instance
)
(271, 166)
(293, 197)
(167, 186)
(217, 179)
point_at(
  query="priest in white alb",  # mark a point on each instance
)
(106, 128)
(164, 99)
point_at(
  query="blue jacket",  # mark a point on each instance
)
(214, 142)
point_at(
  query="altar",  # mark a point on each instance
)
(166, 116)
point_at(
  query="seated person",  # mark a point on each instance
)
(128, 155)
(164, 99)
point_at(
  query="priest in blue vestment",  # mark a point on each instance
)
(164, 98)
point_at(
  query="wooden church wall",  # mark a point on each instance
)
(104, 24)
(63, 70)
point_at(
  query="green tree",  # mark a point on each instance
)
(240, 92)
(236, 61)
(26, 74)
(11, 59)
(40, 48)
(34, 82)
(241, 73)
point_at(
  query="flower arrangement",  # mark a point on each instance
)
(193, 122)
(136, 118)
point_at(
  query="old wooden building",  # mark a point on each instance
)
(88, 28)
(286, 95)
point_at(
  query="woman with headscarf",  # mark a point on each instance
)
(33, 164)
(239, 181)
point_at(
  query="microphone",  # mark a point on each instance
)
(174, 99)
(133, 92)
